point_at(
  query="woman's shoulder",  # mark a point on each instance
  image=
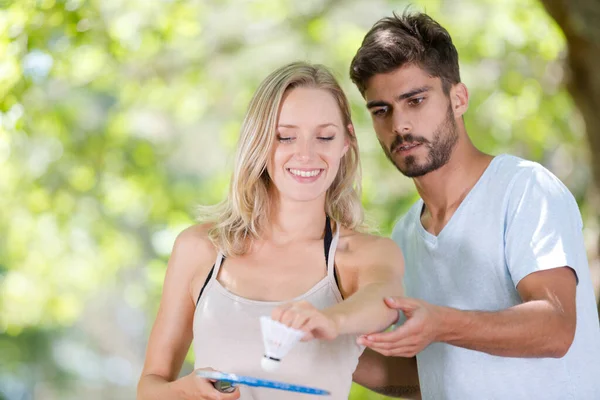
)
(193, 247)
(192, 257)
(198, 232)
(366, 245)
(364, 257)
(195, 236)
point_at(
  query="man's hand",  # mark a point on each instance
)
(422, 327)
(543, 325)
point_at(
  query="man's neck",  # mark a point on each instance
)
(444, 189)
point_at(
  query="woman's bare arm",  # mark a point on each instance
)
(171, 334)
(370, 269)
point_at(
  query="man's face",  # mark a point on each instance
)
(413, 119)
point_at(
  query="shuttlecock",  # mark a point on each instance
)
(278, 340)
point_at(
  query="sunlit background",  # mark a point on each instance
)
(118, 117)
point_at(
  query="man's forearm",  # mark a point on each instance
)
(531, 329)
(390, 376)
(406, 392)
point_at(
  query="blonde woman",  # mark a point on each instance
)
(284, 243)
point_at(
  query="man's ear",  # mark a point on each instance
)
(459, 98)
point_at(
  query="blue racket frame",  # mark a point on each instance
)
(256, 382)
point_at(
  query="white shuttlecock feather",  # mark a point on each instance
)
(278, 340)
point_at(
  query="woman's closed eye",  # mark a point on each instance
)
(326, 138)
(289, 139)
(285, 139)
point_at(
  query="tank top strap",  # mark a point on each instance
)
(212, 275)
(218, 262)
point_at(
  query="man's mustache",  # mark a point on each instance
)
(399, 140)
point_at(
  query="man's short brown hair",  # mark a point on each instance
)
(412, 38)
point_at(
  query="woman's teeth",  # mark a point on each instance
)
(305, 174)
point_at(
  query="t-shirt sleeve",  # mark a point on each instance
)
(543, 228)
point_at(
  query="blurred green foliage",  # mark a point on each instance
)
(118, 117)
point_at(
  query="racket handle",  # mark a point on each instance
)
(224, 386)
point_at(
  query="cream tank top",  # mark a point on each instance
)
(227, 337)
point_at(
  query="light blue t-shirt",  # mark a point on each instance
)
(517, 219)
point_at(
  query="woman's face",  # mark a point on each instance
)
(311, 140)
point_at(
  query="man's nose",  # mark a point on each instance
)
(402, 124)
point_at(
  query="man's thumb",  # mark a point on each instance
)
(399, 303)
(394, 302)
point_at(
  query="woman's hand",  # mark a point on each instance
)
(318, 324)
(193, 387)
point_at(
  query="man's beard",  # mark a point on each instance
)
(445, 137)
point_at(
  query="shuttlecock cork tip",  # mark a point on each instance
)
(270, 364)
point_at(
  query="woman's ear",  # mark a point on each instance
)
(350, 128)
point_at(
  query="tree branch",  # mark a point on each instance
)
(580, 22)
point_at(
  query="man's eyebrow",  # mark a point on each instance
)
(377, 103)
(413, 92)
(403, 96)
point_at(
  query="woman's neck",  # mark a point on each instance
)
(296, 220)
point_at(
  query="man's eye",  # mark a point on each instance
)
(416, 101)
(379, 112)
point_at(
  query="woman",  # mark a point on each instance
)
(284, 243)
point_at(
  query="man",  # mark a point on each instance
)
(499, 301)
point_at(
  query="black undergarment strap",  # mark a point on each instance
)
(328, 239)
(206, 282)
(327, 243)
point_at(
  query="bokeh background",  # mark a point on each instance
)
(118, 117)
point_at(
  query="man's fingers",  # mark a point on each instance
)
(400, 352)
(401, 303)
(400, 333)
(392, 302)
(406, 343)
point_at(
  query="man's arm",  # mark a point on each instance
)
(390, 376)
(542, 326)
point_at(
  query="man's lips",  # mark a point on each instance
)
(405, 147)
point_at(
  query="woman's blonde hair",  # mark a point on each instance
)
(244, 214)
